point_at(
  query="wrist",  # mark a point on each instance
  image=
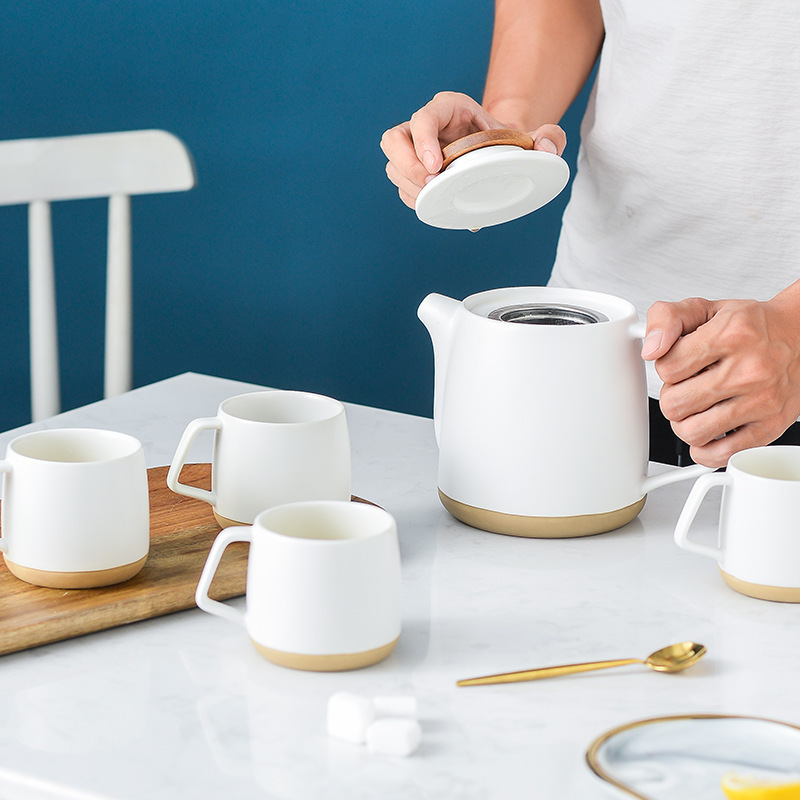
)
(512, 112)
(785, 307)
(790, 296)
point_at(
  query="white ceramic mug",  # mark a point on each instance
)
(323, 584)
(270, 448)
(76, 509)
(758, 546)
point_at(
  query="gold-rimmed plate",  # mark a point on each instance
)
(663, 758)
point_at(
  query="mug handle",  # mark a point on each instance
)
(696, 496)
(224, 538)
(179, 459)
(7, 467)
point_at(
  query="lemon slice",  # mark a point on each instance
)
(743, 787)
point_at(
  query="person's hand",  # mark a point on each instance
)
(731, 371)
(414, 148)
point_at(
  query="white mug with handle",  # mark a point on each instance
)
(270, 448)
(323, 584)
(76, 508)
(758, 543)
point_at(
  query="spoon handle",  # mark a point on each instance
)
(546, 672)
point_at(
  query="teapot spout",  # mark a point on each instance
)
(438, 314)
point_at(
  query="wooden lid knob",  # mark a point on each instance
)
(474, 141)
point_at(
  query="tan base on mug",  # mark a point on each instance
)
(332, 663)
(224, 522)
(778, 594)
(541, 527)
(91, 579)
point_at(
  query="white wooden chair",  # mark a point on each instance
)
(114, 165)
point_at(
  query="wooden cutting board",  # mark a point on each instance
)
(181, 533)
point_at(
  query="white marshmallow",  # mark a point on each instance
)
(394, 736)
(396, 705)
(349, 716)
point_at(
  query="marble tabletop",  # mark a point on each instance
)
(184, 707)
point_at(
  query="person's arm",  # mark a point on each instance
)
(542, 54)
(731, 370)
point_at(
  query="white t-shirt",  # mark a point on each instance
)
(688, 179)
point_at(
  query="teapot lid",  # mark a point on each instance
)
(490, 177)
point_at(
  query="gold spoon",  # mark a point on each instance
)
(668, 659)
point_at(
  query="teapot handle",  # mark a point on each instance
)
(673, 476)
(638, 329)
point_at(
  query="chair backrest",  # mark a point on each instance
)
(37, 172)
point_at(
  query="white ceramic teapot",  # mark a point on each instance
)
(540, 411)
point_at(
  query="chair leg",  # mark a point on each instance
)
(45, 388)
(119, 349)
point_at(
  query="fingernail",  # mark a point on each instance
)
(651, 343)
(429, 160)
(547, 145)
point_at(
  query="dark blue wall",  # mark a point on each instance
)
(292, 263)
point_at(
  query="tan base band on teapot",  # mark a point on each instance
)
(91, 579)
(332, 663)
(541, 527)
(776, 593)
